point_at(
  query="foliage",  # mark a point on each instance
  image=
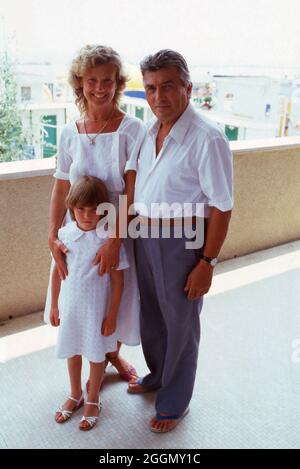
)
(12, 139)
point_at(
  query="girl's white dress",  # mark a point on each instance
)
(112, 155)
(84, 298)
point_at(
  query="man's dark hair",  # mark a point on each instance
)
(166, 58)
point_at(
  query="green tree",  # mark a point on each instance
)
(11, 134)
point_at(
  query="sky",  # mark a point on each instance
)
(206, 32)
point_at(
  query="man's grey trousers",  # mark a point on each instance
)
(170, 323)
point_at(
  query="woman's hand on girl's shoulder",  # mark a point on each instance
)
(54, 317)
(108, 257)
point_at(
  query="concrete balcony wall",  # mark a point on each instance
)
(266, 214)
(25, 189)
(267, 196)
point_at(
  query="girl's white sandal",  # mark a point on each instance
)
(91, 420)
(67, 414)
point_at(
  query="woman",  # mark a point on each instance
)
(104, 143)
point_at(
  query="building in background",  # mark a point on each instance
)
(246, 107)
(46, 104)
(253, 107)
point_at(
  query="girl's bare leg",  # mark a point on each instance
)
(95, 381)
(74, 368)
(88, 381)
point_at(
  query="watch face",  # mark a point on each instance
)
(214, 262)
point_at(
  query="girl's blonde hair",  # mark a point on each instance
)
(88, 57)
(87, 191)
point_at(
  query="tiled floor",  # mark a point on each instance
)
(247, 391)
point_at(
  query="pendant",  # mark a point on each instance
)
(92, 142)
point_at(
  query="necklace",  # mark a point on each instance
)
(92, 139)
(96, 120)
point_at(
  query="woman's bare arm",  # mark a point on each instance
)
(56, 217)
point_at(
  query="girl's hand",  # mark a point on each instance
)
(108, 256)
(59, 251)
(109, 326)
(54, 317)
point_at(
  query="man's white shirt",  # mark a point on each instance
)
(194, 166)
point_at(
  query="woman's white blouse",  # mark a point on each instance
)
(112, 155)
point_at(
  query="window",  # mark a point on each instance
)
(25, 93)
(139, 112)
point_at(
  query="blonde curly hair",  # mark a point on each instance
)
(90, 56)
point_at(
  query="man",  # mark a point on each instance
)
(184, 159)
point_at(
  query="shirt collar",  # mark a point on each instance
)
(181, 126)
(153, 127)
(74, 232)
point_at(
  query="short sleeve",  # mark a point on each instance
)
(64, 159)
(216, 174)
(62, 234)
(123, 263)
(135, 138)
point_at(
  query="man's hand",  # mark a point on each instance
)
(109, 326)
(59, 251)
(54, 317)
(108, 256)
(199, 280)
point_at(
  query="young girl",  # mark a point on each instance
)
(85, 305)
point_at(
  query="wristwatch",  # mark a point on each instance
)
(211, 260)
